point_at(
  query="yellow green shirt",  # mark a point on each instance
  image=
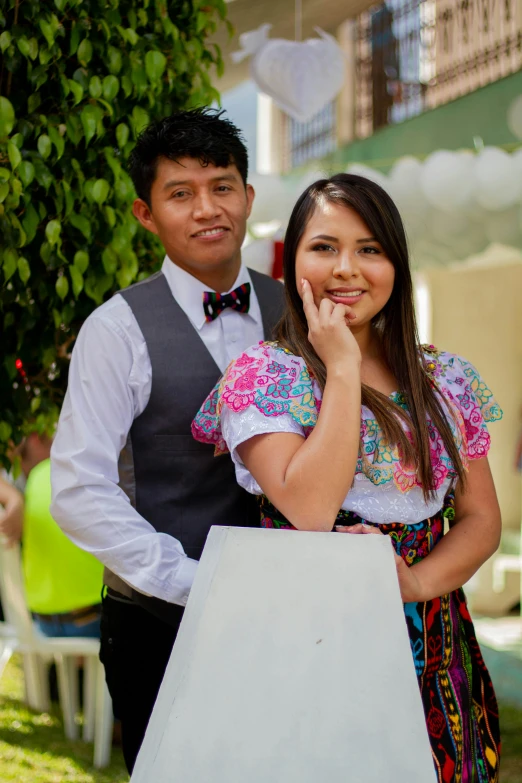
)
(59, 577)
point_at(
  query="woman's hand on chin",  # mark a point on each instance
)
(409, 584)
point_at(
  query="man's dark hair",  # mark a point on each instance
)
(203, 134)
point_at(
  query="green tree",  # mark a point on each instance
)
(78, 80)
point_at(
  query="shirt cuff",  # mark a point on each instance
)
(185, 575)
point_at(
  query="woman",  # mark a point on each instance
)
(346, 411)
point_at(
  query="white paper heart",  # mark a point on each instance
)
(302, 78)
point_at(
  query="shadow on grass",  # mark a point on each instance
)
(33, 747)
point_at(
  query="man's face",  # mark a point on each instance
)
(198, 212)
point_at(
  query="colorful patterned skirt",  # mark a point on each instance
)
(457, 692)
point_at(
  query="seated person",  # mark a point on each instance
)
(63, 583)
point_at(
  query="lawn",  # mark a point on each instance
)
(33, 748)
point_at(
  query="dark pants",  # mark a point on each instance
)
(135, 649)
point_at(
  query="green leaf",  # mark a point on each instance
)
(123, 189)
(24, 270)
(75, 38)
(88, 189)
(4, 190)
(18, 226)
(128, 34)
(201, 21)
(33, 102)
(109, 260)
(89, 117)
(69, 198)
(33, 48)
(111, 85)
(126, 85)
(84, 52)
(100, 190)
(10, 262)
(95, 87)
(5, 174)
(48, 32)
(52, 231)
(5, 40)
(110, 216)
(122, 134)
(74, 129)
(140, 119)
(62, 287)
(81, 223)
(23, 45)
(114, 60)
(44, 145)
(13, 154)
(7, 116)
(81, 260)
(45, 252)
(58, 140)
(5, 431)
(42, 174)
(77, 91)
(35, 404)
(30, 222)
(77, 280)
(155, 64)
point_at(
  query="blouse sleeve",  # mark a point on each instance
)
(461, 381)
(265, 390)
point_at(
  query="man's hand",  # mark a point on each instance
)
(12, 514)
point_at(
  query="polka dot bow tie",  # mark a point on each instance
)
(238, 299)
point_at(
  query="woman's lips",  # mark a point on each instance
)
(347, 298)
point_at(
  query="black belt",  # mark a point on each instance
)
(85, 614)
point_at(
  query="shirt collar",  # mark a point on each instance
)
(188, 291)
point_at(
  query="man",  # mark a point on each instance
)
(62, 582)
(130, 484)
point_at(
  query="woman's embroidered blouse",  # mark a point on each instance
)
(268, 389)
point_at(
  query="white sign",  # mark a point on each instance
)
(292, 665)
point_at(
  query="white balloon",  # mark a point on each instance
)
(514, 117)
(405, 183)
(446, 225)
(274, 199)
(447, 179)
(365, 171)
(259, 255)
(497, 180)
(307, 179)
(504, 227)
(516, 159)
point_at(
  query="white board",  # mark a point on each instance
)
(292, 665)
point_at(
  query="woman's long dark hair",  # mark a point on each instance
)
(395, 324)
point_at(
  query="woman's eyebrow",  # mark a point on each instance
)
(368, 239)
(325, 236)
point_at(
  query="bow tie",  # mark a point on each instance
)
(238, 299)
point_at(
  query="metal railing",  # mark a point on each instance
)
(414, 55)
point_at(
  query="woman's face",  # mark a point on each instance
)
(343, 262)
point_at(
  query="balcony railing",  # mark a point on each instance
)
(414, 55)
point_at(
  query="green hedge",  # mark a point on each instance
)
(78, 80)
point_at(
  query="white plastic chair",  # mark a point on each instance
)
(19, 634)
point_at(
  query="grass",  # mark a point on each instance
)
(33, 748)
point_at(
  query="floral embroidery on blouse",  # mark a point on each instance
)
(277, 383)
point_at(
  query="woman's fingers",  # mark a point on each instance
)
(310, 310)
(359, 528)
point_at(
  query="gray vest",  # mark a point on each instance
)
(173, 481)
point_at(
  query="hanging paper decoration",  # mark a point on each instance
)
(301, 77)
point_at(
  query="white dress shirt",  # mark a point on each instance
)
(109, 386)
